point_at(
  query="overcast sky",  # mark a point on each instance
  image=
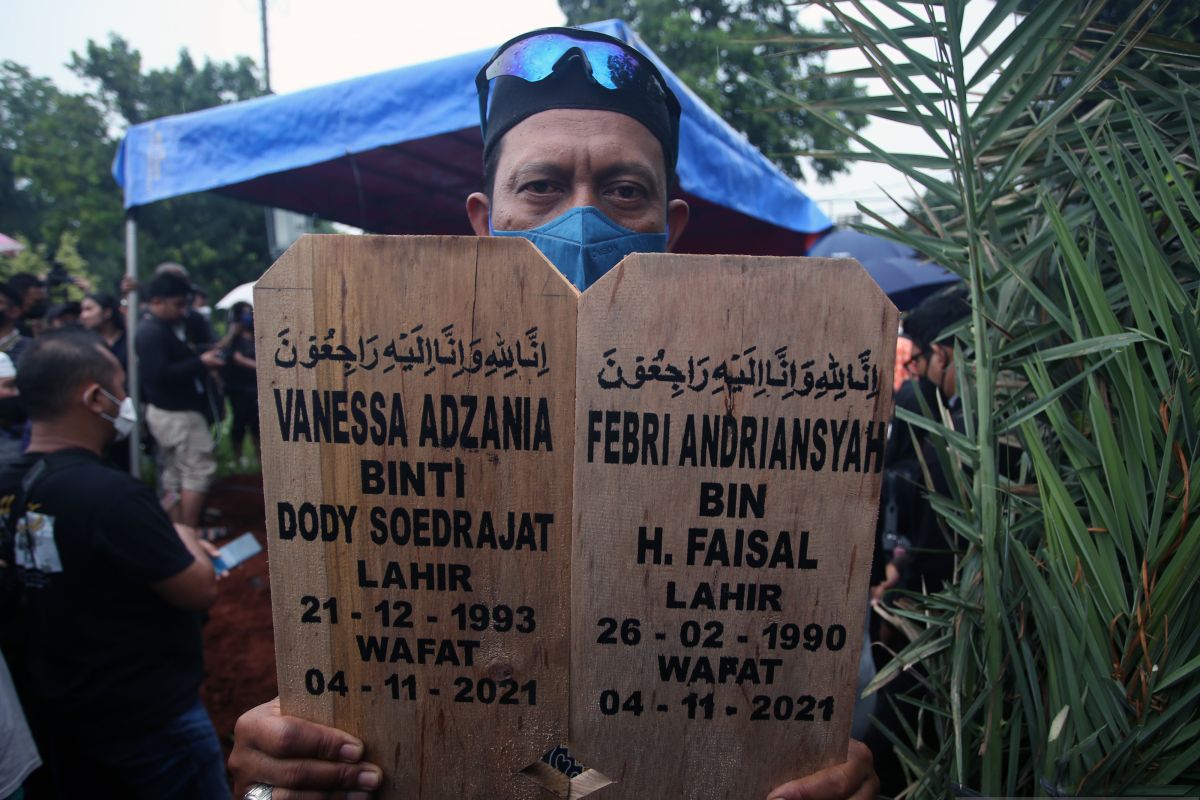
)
(313, 42)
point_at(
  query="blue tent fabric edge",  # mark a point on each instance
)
(231, 144)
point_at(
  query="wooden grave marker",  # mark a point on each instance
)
(713, 393)
(730, 427)
(417, 397)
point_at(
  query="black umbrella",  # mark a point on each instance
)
(904, 277)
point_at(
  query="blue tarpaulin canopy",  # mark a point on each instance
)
(399, 151)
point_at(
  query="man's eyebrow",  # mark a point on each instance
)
(535, 169)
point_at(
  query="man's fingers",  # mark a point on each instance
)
(265, 729)
(312, 778)
(296, 738)
(213, 553)
(301, 778)
(297, 757)
(854, 779)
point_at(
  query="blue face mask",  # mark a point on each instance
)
(584, 244)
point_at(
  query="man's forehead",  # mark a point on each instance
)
(606, 139)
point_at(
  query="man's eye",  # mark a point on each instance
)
(627, 191)
(540, 187)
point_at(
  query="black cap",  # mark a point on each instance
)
(571, 85)
(927, 323)
(168, 284)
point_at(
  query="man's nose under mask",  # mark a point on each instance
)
(584, 244)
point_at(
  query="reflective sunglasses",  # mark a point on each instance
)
(533, 57)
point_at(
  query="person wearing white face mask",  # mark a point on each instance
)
(12, 413)
(104, 638)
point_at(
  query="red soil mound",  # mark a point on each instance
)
(239, 646)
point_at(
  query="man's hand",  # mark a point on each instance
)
(304, 760)
(301, 759)
(212, 359)
(213, 554)
(890, 581)
(853, 780)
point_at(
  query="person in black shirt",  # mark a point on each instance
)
(198, 331)
(923, 559)
(104, 642)
(178, 411)
(101, 313)
(241, 377)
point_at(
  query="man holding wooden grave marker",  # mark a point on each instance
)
(580, 142)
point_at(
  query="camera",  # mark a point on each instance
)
(58, 276)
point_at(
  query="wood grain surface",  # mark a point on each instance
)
(417, 404)
(731, 416)
(497, 508)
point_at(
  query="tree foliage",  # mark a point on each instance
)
(56, 151)
(132, 96)
(1063, 659)
(1175, 19)
(728, 52)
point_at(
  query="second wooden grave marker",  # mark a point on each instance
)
(731, 419)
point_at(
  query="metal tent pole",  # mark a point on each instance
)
(131, 322)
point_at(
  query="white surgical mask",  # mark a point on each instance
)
(126, 418)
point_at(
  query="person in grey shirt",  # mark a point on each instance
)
(18, 754)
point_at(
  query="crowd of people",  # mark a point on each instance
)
(104, 579)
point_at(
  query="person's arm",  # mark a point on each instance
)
(145, 547)
(212, 359)
(244, 361)
(195, 588)
(294, 755)
(225, 342)
(152, 353)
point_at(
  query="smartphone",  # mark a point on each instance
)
(236, 552)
